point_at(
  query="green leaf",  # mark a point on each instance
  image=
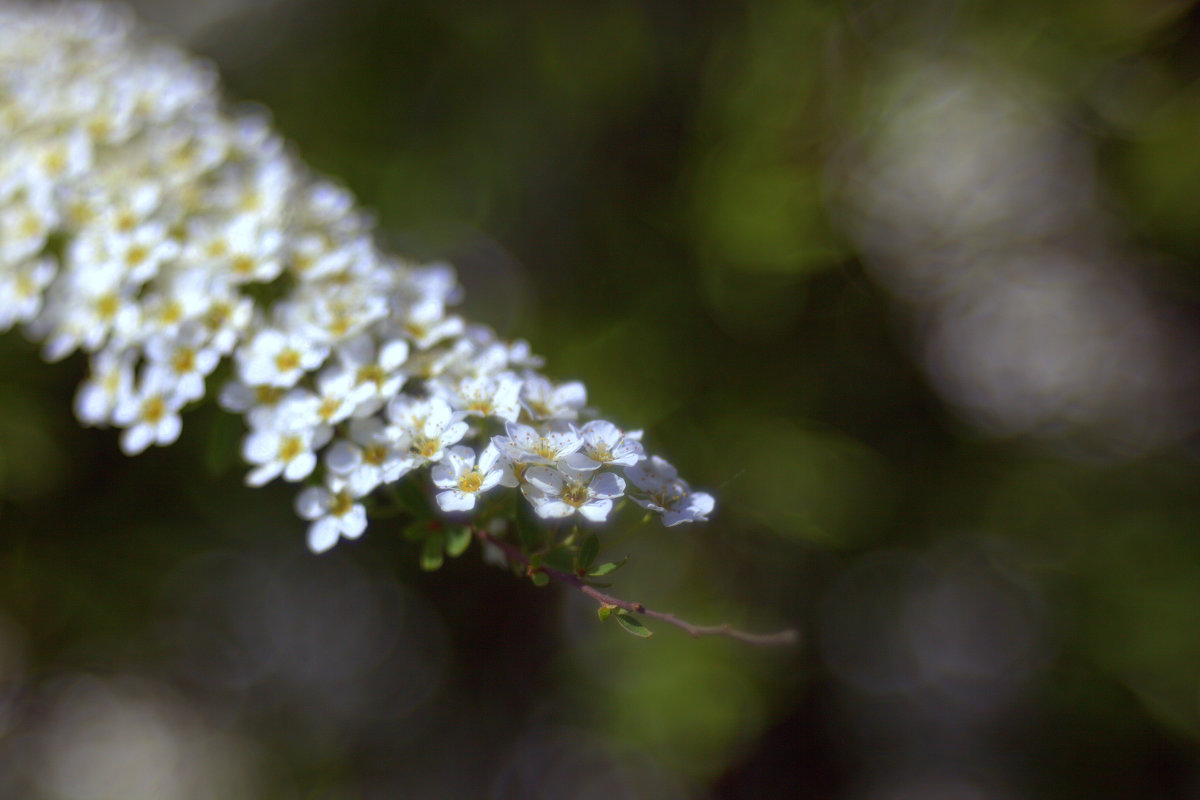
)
(432, 552)
(607, 567)
(633, 625)
(409, 496)
(604, 612)
(588, 552)
(539, 578)
(458, 539)
(560, 559)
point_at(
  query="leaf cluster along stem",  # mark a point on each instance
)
(514, 553)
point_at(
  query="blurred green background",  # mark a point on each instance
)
(910, 287)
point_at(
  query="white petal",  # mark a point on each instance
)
(606, 484)
(322, 534)
(553, 509)
(580, 463)
(544, 479)
(354, 522)
(488, 458)
(596, 510)
(461, 459)
(136, 439)
(456, 500)
(92, 404)
(393, 354)
(260, 447)
(454, 433)
(300, 467)
(343, 457)
(490, 479)
(267, 472)
(570, 394)
(167, 430)
(312, 502)
(443, 476)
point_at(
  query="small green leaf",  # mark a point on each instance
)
(432, 552)
(560, 559)
(458, 539)
(409, 496)
(604, 612)
(588, 552)
(607, 567)
(633, 625)
(539, 578)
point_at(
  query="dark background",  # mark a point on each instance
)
(910, 287)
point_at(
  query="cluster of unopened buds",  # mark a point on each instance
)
(179, 244)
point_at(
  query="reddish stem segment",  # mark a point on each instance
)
(514, 553)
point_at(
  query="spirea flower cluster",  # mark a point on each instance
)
(144, 224)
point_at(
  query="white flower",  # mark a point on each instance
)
(260, 404)
(463, 478)
(289, 453)
(606, 444)
(150, 415)
(430, 425)
(557, 493)
(25, 224)
(373, 456)
(543, 400)
(663, 491)
(375, 367)
(109, 384)
(335, 512)
(241, 250)
(277, 358)
(527, 445)
(425, 321)
(186, 359)
(21, 290)
(489, 396)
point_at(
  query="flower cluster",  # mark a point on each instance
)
(163, 235)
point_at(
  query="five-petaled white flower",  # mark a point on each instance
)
(335, 512)
(604, 444)
(664, 492)
(526, 445)
(557, 493)
(462, 478)
(289, 453)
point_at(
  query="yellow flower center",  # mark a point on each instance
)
(341, 504)
(329, 407)
(287, 360)
(154, 409)
(574, 494)
(107, 305)
(290, 447)
(184, 360)
(267, 395)
(372, 373)
(470, 482)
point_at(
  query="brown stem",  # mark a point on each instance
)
(514, 553)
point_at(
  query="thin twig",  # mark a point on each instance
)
(514, 553)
